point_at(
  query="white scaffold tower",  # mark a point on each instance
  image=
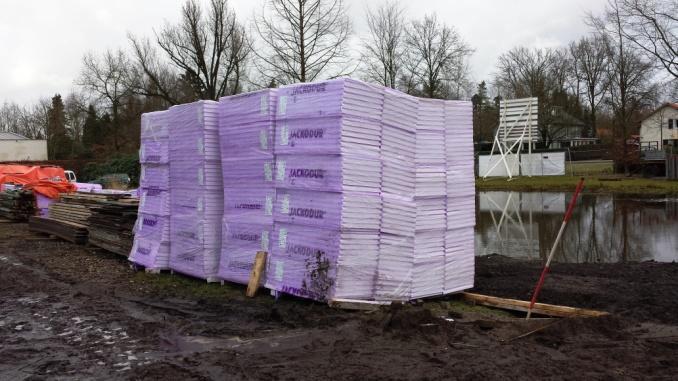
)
(518, 124)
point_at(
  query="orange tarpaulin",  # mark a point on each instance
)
(48, 181)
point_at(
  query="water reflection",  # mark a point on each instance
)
(604, 228)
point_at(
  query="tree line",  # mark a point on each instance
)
(611, 74)
(608, 80)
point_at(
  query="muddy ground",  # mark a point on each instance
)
(71, 312)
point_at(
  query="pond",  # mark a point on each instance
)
(604, 228)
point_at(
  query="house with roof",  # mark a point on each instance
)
(15, 147)
(566, 131)
(660, 128)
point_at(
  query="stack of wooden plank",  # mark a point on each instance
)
(17, 205)
(66, 230)
(111, 225)
(103, 220)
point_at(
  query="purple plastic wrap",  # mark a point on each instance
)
(150, 253)
(256, 106)
(337, 97)
(153, 227)
(154, 176)
(249, 173)
(356, 191)
(303, 261)
(240, 243)
(43, 203)
(328, 209)
(249, 205)
(154, 151)
(327, 173)
(154, 201)
(328, 136)
(196, 183)
(155, 125)
(253, 141)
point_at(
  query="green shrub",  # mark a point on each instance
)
(128, 164)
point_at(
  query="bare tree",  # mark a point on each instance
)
(106, 77)
(384, 47)
(652, 26)
(10, 117)
(75, 107)
(35, 119)
(629, 75)
(206, 55)
(590, 64)
(437, 57)
(304, 40)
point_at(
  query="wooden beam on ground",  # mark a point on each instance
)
(361, 305)
(523, 306)
(255, 275)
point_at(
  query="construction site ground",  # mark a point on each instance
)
(71, 312)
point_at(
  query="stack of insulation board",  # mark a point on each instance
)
(196, 198)
(151, 247)
(398, 153)
(459, 236)
(246, 131)
(430, 198)
(325, 243)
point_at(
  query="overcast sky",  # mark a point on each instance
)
(43, 41)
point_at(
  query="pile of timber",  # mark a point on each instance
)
(103, 220)
(77, 207)
(68, 231)
(17, 205)
(111, 225)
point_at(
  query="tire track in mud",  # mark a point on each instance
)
(55, 333)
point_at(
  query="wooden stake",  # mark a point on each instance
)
(524, 306)
(255, 276)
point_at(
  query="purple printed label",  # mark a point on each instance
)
(306, 173)
(302, 292)
(309, 89)
(150, 222)
(240, 265)
(248, 206)
(301, 250)
(186, 234)
(307, 133)
(307, 213)
(143, 251)
(251, 237)
(153, 191)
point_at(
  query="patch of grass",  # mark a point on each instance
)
(592, 184)
(589, 168)
(166, 284)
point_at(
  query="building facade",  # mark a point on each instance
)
(660, 128)
(15, 147)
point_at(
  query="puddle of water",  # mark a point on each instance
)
(603, 228)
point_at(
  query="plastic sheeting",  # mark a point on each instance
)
(354, 190)
(196, 189)
(151, 247)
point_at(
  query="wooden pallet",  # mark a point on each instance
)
(359, 305)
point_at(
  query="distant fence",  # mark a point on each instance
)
(590, 152)
(672, 166)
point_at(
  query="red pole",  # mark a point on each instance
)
(547, 266)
